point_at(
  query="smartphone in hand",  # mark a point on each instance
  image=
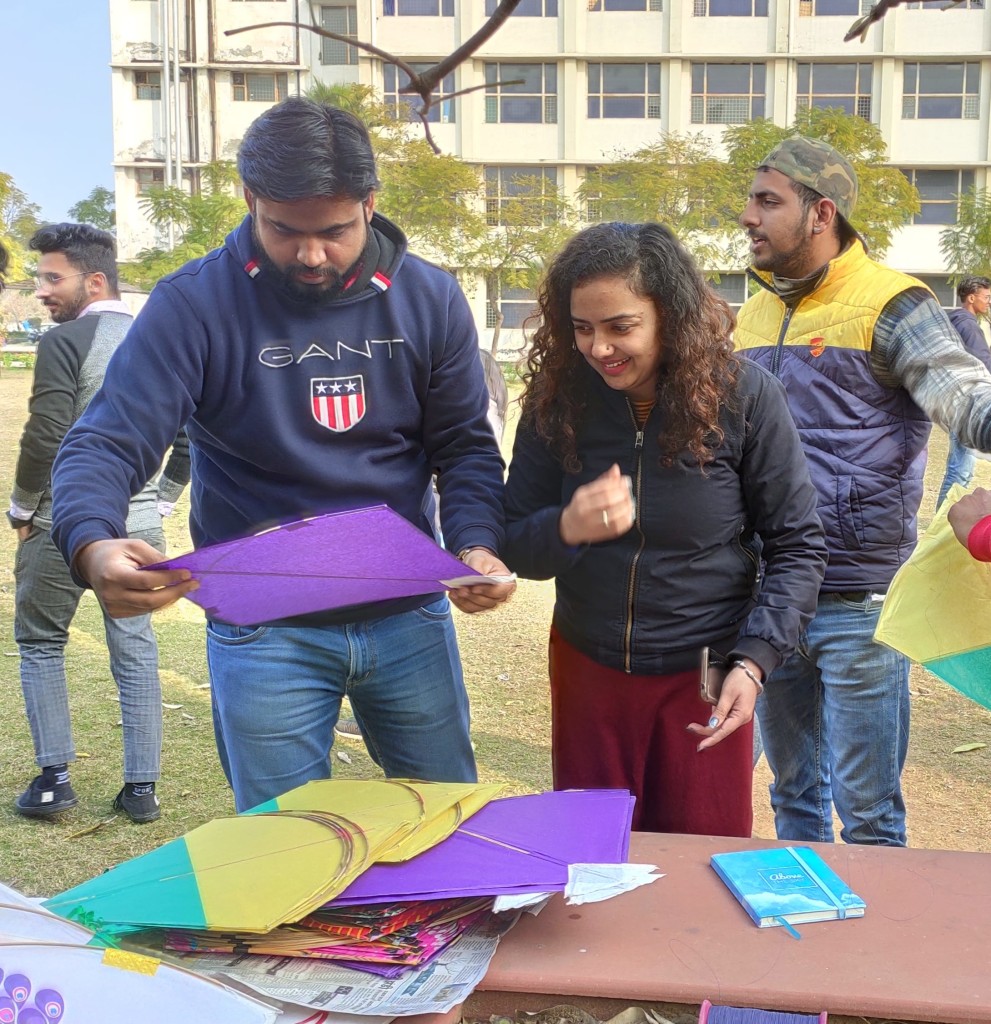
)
(713, 669)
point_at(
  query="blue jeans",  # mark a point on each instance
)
(835, 721)
(277, 695)
(960, 461)
(44, 605)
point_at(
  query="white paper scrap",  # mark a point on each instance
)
(520, 901)
(590, 883)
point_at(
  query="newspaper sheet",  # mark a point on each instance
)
(322, 985)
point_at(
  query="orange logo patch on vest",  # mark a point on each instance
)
(817, 346)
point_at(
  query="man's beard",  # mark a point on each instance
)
(313, 295)
(69, 309)
(793, 263)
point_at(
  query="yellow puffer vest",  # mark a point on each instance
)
(841, 312)
(864, 442)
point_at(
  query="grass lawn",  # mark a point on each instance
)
(504, 655)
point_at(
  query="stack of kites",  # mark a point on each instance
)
(380, 876)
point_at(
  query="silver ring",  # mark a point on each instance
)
(605, 518)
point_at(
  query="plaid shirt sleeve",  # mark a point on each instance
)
(916, 347)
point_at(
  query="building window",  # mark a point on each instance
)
(732, 288)
(441, 110)
(727, 93)
(939, 192)
(730, 8)
(532, 100)
(598, 208)
(419, 8)
(847, 86)
(527, 9)
(824, 8)
(961, 5)
(624, 90)
(503, 185)
(941, 90)
(260, 88)
(148, 85)
(515, 304)
(342, 19)
(625, 5)
(149, 178)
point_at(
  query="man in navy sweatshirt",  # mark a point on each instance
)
(314, 295)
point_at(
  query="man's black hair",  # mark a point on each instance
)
(87, 248)
(971, 284)
(300, 149)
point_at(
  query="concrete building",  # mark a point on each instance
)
(597, 75)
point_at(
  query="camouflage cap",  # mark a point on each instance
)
(816, 164)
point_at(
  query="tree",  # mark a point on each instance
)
(421, 83)
(887, 200)
(18, 222)
(966, 245)
(526, 225)
(199, 221)
(96, 209)
(435, 198)
(677, 180)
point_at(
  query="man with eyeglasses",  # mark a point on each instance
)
(77, 282)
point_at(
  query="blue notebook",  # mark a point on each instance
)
(786, 885)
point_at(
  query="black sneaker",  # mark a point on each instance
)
(348, 729)
(42, 799)
(140, 809)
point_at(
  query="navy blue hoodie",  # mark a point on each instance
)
(292, 410)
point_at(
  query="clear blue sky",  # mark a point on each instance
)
(56, 127)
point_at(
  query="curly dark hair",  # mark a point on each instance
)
(698, 370)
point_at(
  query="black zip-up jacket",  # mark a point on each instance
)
(689, 572)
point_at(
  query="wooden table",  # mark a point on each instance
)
(921, 952)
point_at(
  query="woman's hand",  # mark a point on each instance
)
(601, 510)
(735, 707)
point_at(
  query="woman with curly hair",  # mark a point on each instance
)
(659, 479)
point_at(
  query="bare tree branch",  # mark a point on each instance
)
(423, 83)
(429, 79)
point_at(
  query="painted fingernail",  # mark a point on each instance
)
(713, 722)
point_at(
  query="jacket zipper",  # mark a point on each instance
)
(779, 348)
(748, 554)
(628, 635)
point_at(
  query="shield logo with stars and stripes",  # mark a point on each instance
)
(338, 403)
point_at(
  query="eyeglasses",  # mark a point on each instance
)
(50, 280)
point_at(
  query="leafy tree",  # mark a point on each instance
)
(435, 198)
(887, 200)
(96, 209)
(525, 231)
(200, 221)
(18, 222)
(677, 180)
(966, 245)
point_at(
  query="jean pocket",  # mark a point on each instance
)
(435, 612)
(225, 633)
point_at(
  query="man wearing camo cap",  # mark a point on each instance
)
(868, 359)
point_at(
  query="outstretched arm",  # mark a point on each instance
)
(970, 518)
